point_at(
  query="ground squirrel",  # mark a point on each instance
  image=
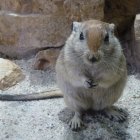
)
(91, 70)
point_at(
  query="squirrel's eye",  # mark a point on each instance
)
(106, 39)
(81, 37)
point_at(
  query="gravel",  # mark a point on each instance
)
(47, 119)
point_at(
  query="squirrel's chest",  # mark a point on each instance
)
(93, 70)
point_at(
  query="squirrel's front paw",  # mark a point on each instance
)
(90, 84)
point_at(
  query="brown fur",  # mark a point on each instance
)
(95, 33)
(94, 38)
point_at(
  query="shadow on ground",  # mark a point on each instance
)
(97, 127)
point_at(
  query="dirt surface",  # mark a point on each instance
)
(47, 120)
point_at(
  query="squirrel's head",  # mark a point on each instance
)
(93, 38)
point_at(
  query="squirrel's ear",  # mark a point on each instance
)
(75, 26)
(112, 27)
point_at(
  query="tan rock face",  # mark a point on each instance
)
(10, 74)
(27, 6)
(21, 33)
(83, 10)
(29, 24)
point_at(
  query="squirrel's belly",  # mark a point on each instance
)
(103, 98)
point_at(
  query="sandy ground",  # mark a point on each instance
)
(47, 120)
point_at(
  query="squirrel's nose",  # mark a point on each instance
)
(92, 59)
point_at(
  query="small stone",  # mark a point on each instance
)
(10, 74)
(47, 58)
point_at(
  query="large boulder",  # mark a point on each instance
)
(10, 74)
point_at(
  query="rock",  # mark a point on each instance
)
(23, 33)
(84, 10)
(46, 58)
(10, 74)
